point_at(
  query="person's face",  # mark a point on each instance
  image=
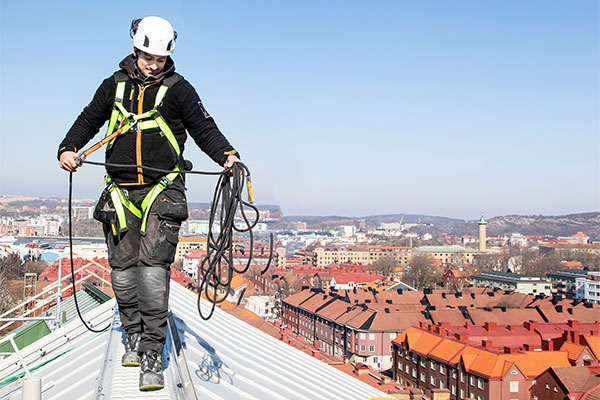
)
(149, 64)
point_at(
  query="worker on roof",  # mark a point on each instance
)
(152, 107)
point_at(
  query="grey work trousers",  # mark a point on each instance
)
(141, 263)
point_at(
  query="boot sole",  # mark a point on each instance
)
(147, 388)
(131, 364)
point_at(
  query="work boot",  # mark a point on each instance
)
(151, 377)
(132, 356)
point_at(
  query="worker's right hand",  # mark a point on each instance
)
(68, 161)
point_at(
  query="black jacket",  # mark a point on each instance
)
(181, 108)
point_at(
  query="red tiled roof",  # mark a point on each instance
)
(576, 313)
(578, 380)
(343, 278)
(512, 316)
(479, 361)
(189, 239)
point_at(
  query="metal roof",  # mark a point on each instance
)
(223, 358)
(507, 277)
(85, 301)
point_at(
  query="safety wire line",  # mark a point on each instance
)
(71, 258)
(217, 268)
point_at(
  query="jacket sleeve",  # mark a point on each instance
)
(91, 119)
(201, 126)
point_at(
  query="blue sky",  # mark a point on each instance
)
(340, 107)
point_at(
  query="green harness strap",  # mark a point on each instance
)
(119, 202)
(148, 120)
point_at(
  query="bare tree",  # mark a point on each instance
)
(7, 301)
(385, 265)
(35, 266)
(589, 260)
(281, 292)
(541, 265)
(490, 262)
(457, 283)
(11, 266)
(421, 272)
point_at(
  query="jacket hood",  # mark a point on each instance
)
(129, 65)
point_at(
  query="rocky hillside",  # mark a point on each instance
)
(561, 225)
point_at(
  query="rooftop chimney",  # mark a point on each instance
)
(490, 326)
(547, 345)
(510, 349)
(487, 344)
(316, 354)
(361, 369)
(462, 336)
(530, 325)
(573, 324)
(574, 336)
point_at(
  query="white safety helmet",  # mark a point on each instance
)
(154, 35)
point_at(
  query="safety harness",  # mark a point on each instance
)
(127, 121)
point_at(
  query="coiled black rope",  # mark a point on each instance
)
(217, 268)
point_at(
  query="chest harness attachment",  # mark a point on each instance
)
(126, 121)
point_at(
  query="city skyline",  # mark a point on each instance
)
(337, 108)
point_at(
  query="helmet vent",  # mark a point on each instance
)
(169, 45)
(146, 41)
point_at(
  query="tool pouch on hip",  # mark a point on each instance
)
(105, 212)
(171, 204)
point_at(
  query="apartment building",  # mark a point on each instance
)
(431, 359)
(510, 281)
(187, 243)
(564, 280)
(448, 254)
(400, 253)
(588, 288)
(357, 324)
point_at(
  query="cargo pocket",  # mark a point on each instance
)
(171, 204)
(168, 236)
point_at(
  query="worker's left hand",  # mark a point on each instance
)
(230, 161)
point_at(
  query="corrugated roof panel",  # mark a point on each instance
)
(67, 360)
(229, 359)
(67, 305)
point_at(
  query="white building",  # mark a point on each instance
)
(195, 227)
(82, 213)
(588, 289)
(346, 230)
(51, 227)
(261, 306)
